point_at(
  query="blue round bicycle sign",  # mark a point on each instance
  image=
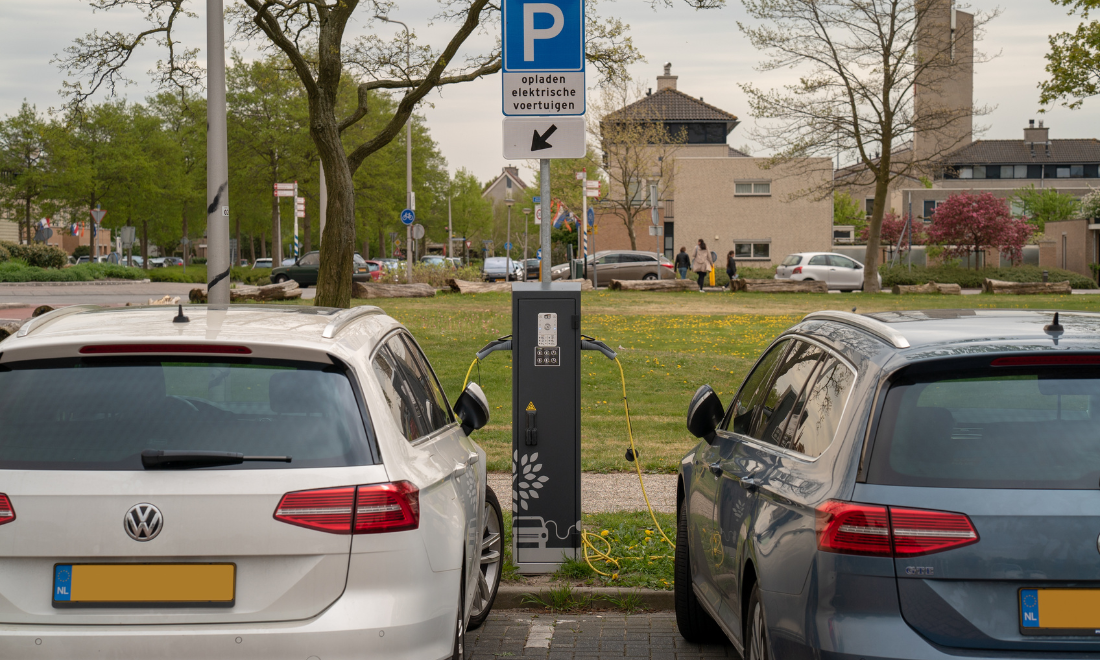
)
(408, 217)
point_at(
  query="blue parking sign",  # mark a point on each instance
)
(547, 35)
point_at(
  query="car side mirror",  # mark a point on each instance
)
(705, 413)
(472, 408)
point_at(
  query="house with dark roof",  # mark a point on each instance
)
(707, 189)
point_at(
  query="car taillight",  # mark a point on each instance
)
(853, 529)
(668, 266)
(387, 508)
(797, 270)
(919, 532)
(7, 511)
(372, 509)
(864, 529)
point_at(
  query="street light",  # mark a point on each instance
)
(508, 240)
(410, 201)
(526, 226)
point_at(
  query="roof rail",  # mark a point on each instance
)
(865, 323)
(40, 322)
(344, 318)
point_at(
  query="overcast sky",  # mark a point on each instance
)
(706, 50)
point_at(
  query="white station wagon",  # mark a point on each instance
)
(257, 482)
(835, 270)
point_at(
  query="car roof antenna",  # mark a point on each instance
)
(180, 318)
(1054, 327)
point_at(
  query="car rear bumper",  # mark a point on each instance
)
(362, 623)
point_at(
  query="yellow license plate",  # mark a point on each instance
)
(1060, 611)
(144, 585)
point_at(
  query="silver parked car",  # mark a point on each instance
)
(624, 265)
(835, 270)
(257, 482)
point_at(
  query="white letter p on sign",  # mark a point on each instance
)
(529, 31)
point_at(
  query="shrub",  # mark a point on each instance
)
(437, 276)
(17, 270)
(199, 261)
(37, 254)
(197, 275)
(4, 254)
(972, 279)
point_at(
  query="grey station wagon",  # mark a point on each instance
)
(917, 485)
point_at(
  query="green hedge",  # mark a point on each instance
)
(197, 275)
(4, 254)
(972, 279)
(37, 254)
(17, 270)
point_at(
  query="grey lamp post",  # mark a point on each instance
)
(410, 201)
(526, 227)
(508, 239)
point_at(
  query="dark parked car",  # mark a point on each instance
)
(304, 270)
(501, 268)
(900, 485)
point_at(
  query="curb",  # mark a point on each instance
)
(88, 283)
(510, 597)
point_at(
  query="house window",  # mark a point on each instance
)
(508, 183)
(929, 209)
(635, 192)
(1007, 172)
(1076, 171)
(1018, 172)
(1062, 173)
(752, 250)
(752, 188)
(869, 205)
(966, 172)
(979, 171)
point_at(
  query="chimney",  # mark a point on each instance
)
(667, 81)
(1036, 135)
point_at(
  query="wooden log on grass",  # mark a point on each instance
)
(928, 287)
(652, 285)
(1000, 287)
(779, 286)
(282, 291)
(375, 290)
(9, 327)
(464, 286)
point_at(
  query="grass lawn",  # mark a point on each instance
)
(669, 345)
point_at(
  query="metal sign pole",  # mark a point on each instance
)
(217, 160)
(544, 228)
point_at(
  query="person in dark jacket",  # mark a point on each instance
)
(731, 268)
(683, 263)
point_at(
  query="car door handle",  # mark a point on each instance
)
(715, 468)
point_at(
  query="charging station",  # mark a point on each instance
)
(546, 425)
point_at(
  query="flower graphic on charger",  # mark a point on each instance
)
(526, 480)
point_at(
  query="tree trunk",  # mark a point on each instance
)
(28, 220)
(630, 230)
(366, 249)
(252, 248)
(871, 257)
(240, 248)
(263, 244)
(144, 244)
(334, 285)
(381, 241)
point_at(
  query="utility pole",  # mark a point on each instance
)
(217, 160)
(508, 238)
(450, 233)
(410, 197)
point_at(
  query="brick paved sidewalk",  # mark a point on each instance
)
(588, 636)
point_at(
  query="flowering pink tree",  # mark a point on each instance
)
(892, 228)
(967, 223)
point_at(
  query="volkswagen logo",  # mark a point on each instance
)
(143, 522)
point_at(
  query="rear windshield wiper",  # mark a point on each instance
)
(169, 459)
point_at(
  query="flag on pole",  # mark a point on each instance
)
(75, 229)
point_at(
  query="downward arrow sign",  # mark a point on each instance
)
(538, 142)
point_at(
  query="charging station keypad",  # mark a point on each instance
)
(547, 357)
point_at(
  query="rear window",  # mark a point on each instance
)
(101, 413)
(792, 260)
(1022, 429)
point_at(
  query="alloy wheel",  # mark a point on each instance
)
(756, 648)
(488, 576)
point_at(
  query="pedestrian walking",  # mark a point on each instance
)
(731, 268)
(701, 261)
(683, 262)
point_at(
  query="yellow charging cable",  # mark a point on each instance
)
(589, 550)
(466, 381)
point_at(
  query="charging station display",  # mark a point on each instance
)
(546, 425)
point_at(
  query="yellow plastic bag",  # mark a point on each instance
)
(712, 275)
